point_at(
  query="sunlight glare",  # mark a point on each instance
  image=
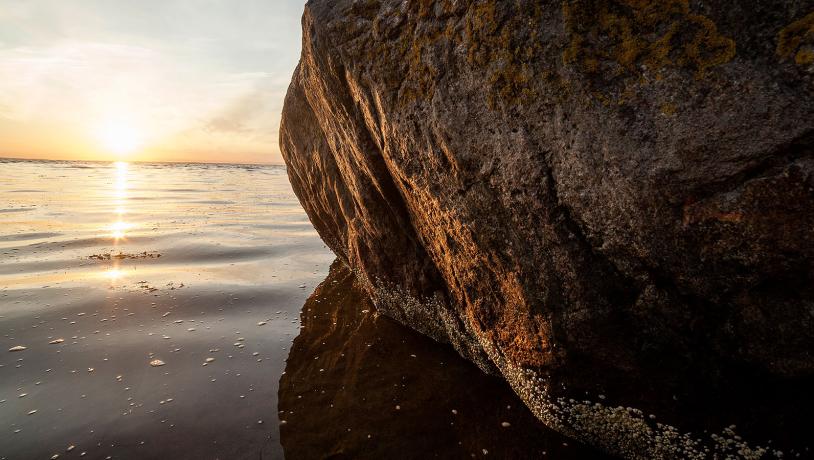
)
(112, 274)
(117, 229)
(119, 137)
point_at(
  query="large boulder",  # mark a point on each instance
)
(608, 203)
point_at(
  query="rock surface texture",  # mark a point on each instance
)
(609, 203)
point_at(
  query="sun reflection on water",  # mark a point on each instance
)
(113, 274)
(118, 228)
(120, 184)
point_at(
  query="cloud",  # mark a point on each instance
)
(190, 75)
(70, 79)
(239, 115)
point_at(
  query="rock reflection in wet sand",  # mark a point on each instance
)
(359, 385)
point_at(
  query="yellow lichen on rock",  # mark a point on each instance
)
(797, 40)
(493, 44)
(668, 109)
(654, 33)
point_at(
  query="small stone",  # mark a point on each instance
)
(17, 348)
(56, 341)
(261, 323)
(505, 424)
(156, 363)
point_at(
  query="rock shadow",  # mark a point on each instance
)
(359, 385)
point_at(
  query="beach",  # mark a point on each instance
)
(107, 267)
(154, 307)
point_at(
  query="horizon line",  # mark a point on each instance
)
(142, 161)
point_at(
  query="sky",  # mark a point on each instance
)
(146, 80)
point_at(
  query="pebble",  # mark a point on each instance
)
(261, 323)
(56, 341)
(505, 424)
(156, 363)
(17, 348)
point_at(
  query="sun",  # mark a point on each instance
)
(119, 137)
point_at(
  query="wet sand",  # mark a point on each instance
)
(105, 268)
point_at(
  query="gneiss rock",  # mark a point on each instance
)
(586, 198)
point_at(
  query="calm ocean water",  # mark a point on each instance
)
(122, 264)
(186, 311)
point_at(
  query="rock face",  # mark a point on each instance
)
(588, 198)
